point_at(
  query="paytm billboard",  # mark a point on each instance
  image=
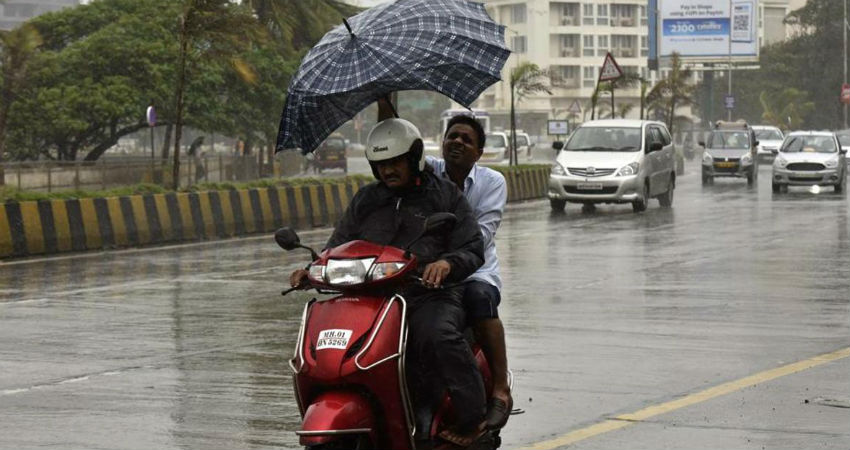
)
(708, 30)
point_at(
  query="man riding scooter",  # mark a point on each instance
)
(392, 212)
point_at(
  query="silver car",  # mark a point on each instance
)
(615, 161)
(770, 138)
(809, 158)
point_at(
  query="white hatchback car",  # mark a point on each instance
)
(615, 161)
(496, 145)
(770, 138)
(809, 158)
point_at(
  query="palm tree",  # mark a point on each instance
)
(17, 48)
(298, 25)
(786, 110)
(207, 29)
(673, 91)
(526, 78)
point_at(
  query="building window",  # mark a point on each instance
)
(566, 76)
(602, 48)
(643, 15)
(589, 76)
(602, 12)
(518, 13)
(587, 14)
(644, 46)
(518, 44)
(588, 45)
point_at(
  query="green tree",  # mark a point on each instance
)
(526, 79)
(298, 25)
(674, 91)
(788, 109)
(16, 50)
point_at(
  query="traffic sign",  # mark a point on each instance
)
(845, 93)
(610, 69)
(729, 101)
(575, 107)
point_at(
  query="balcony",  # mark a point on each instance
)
(569, 52)
(624, 52)
(569, 21)
(566, 83)
(623, 21)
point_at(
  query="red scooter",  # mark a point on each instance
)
(349, 373)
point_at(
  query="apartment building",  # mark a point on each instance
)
(571, 38)
(15, 12)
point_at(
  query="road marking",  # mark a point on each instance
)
(625, 420)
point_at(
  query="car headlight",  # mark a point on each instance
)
(707, 159)
(629, 169)
(558, 169)
(384, 270)
(831, 163)
(347, 271)
(747, 158)
(780, 162)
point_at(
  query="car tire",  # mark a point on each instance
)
(640, 204)
(751, 179)
(841, 187)
(776, 187)
(588, 208)
(666, 199)
(707, 180)
(557, 204)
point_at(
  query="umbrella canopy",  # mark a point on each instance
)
(449, 46)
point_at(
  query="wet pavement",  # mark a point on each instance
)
(606, 313)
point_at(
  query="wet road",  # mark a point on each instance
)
(607, 314)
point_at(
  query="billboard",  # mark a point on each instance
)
(707, 31)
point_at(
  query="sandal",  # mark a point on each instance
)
(498, 412)
(481, 439)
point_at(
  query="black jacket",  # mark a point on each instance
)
(381, 215)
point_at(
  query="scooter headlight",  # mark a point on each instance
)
(780, 161)
(317, 273)
(707, 159)
(384, 270)
(746, 159)
(347, 271)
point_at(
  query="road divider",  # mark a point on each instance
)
(54, 226)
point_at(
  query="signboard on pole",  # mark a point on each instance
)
(575, 107)
(558, 127)
(150, 115)
(708, 31)
(610, 69)
(845, 93)
(729, 101)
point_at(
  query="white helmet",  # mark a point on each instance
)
(392, 138)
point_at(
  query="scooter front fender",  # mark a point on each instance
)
(334, 415)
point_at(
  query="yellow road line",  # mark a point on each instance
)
(625, 420)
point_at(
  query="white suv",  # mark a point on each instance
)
(615, 161)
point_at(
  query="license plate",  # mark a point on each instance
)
(805, 175)
(589, 186)
(331, 157)
(725, 165)
(333, 339)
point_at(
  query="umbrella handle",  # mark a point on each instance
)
(345, 21)
(389, 103)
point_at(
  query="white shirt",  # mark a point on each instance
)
(486, 191)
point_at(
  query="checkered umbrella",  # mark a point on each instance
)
(448, 46)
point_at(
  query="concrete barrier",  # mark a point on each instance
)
(54, 226)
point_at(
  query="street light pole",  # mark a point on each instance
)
(844, 28)
(729, 89)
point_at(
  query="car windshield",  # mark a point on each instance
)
(728, 139)
(768, 135)
(496, 140)
(521, 140)
(809, 144)
(334, 144)
(606, 139)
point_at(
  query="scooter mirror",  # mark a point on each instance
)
(558, 145)
(287, 239)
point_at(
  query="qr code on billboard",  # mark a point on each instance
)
(742, 22)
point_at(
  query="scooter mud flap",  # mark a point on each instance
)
(336, 415)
